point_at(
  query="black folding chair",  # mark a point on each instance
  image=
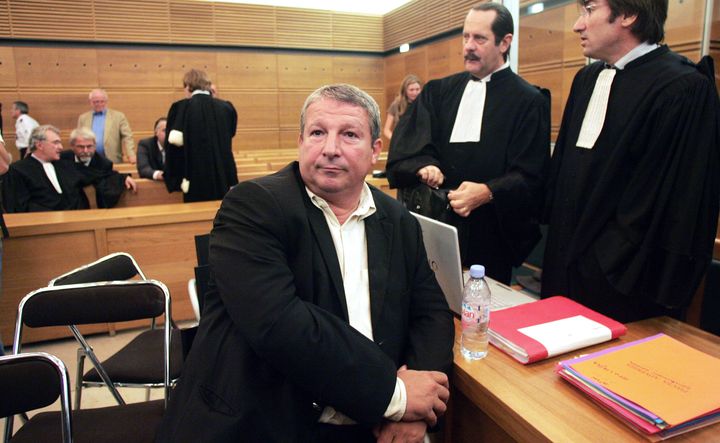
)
(135, 365)
(35, 380)
(103, 302)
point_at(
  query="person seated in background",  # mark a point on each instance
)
(109, 184)
(114, 138)
(24, 125)
(151, 153)
(43, 182)
(409, 90)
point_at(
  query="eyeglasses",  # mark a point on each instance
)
(587, 9)
(84, 146)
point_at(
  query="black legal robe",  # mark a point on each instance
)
(511, 158)
(206, 159)
(109, 184)
(638, 211)
(26, 187)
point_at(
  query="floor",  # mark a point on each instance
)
(104, 346)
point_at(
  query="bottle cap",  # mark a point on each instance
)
(477, 271)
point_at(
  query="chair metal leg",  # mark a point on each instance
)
(147, 394)
(98, 367)
(79, 377)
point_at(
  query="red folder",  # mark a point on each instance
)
(560, 325)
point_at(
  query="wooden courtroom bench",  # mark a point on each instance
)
(44, 245)
(149, 192)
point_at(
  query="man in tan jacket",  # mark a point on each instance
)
(114, 136)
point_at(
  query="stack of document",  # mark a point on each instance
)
(657, 385)
(549, 327)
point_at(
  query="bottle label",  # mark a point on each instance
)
(470, 316)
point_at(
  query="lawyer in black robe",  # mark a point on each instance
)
(26, 187)
(511, 159)
(109, 184)
(632, 221)
(205, 158)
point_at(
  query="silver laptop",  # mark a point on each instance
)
(443, 252)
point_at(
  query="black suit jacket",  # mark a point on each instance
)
(149, 157)
(109, 184)
(274, 344)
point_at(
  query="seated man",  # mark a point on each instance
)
(109, 184)
(151, 153)
(324, 321)
(41, 181)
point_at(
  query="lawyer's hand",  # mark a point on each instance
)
(469, 196)
(431, 175)
(427, 395)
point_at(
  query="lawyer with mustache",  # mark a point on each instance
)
(485, 134)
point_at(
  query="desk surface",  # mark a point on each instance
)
(532, 403)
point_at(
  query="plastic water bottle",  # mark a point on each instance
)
(475, 315)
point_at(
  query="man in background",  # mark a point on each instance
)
(634, 184)
(24, 125)
(485, 135)
(109, 184)
(151, 153)
(114, 138)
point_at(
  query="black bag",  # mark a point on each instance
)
(427, 201)
(434, 203)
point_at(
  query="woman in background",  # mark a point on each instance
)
(409, 90)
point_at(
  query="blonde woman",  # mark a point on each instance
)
(409, 90)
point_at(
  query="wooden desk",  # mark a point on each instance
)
(498, 399)
(43, 245)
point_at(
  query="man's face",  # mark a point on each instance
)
(160, 132)
(84, 148)
(15, 112)
(600, 39)
(98, 102)
(336, 149)
(482, 56)
(50, 148)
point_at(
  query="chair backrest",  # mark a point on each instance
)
(113, 267)
(102, 302)
(32, 381)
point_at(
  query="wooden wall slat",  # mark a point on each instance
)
(245, 25)
(191, 22)
(132, 20)
(70, 19)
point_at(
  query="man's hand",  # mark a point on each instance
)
(431, 176)
(130, 184)
(158, 175)
(427, 395)
(401, 432)
(468, 196)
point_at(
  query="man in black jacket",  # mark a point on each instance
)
(326, 323)
(109, 184)
(151, 153)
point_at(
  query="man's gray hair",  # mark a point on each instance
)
(351, 95)
(99, 91)
(40, 134)
(81, 132)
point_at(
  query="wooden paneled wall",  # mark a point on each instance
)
(549, 51)
(189, 22)
(267, 87)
